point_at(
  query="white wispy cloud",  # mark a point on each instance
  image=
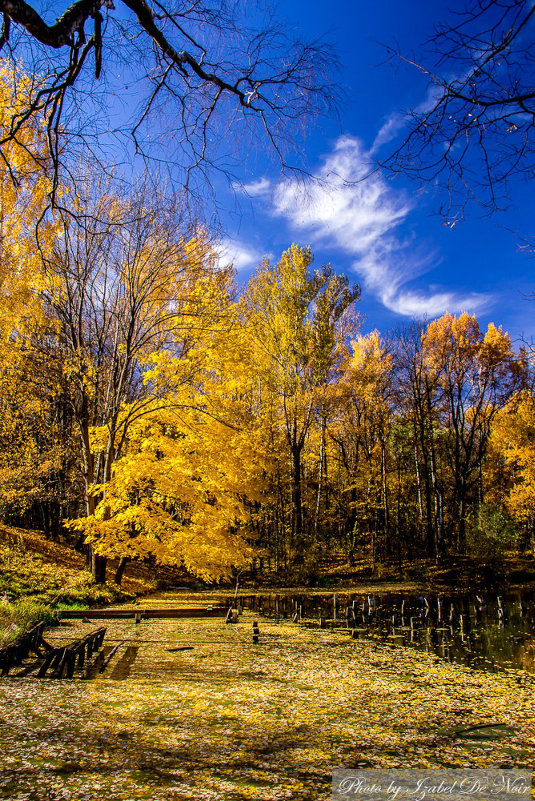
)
(241, 255)
(362, 218)
(387, 277)
(257, 188)
(389, 130)
(397, 121)
(340, 205)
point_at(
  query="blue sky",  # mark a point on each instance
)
(384, 233)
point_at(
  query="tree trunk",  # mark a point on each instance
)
(462, 519)
(384, 498)
(297, 504)
(320, 486)
(98, 567)
(123, 561)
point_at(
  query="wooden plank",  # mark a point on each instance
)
(31, 668)
(107, 614)
(7, 659)
(46, 664)
(13, 654)
(59, 663)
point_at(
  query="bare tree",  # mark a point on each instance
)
(172, 80)
(475, 130)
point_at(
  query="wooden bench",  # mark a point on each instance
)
(61, 661)
(16, 652)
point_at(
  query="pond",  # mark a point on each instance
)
(488, 632)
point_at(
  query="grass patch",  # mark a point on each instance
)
(26, 574)
(33, 566)
(18, 617)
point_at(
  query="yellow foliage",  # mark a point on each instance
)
(24, 187)
(513, 437)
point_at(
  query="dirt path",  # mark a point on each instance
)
(231, 720)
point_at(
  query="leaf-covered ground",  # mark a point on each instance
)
(232, 720)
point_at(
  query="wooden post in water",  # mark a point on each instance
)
(502, 611)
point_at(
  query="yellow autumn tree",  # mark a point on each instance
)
(32, 445)
(513, 439)
(294, 315)
(191, 456)
(360, 428)
(178, 493)
(24, 186)
(474, 374)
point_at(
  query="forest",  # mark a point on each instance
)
(157, 406)
(152, 408)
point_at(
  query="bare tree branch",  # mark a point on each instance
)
(198, 66)
(476, 129)
(64, 29)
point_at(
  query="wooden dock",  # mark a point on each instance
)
(142, 613)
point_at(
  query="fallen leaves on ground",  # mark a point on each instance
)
(231, 720)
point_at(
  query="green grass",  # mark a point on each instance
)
(15, 618)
